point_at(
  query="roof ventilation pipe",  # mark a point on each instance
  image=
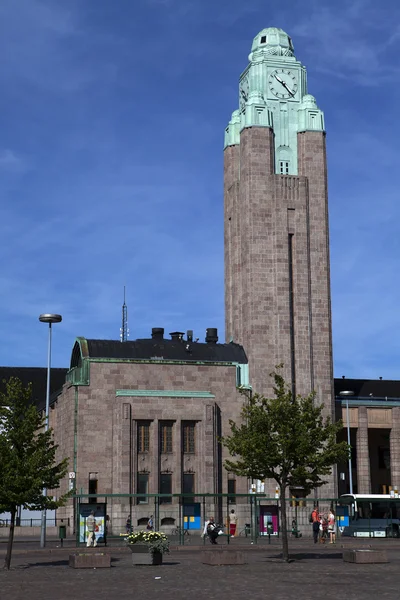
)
(157, 333)
(212, 335)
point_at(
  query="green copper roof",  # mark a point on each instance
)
(274, 41)
(273, 93)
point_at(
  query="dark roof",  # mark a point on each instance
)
(369, 388)
(38, 377)
(164, 349)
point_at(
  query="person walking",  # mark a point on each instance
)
(332, 527)
(91, 528)
(315, 524)
(150, 523)
(232, 523)
(128, 524)
(323, 529)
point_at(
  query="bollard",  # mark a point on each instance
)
(62, 533)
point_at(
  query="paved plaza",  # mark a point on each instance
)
(315, 572)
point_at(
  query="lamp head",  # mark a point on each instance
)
(50, 318)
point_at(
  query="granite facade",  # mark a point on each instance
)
(104, 426)
(277, 279)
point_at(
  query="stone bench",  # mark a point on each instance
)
(365, 556)
(217, 557)
(90, 560)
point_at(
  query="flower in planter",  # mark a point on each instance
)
(156, 541)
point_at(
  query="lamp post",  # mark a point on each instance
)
(50, 319)
(347, 394)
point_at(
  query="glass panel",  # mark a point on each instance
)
(142, 487)
(165, 487)
(143, 436)
(189, 438)
(166, 438)
(188, 487)
(231, 490)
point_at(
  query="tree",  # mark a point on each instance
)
(285, 439)
(27, 457)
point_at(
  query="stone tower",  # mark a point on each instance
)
(277, 280)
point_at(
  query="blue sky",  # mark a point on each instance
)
(112, 123)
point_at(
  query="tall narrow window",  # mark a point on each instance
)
(188, 437)
(284, 167)
(188, 487)
(165, 488)
(143, 436)
(232, 490)
(291, 314)
(142, 487)
(93, 488)
(166, 437)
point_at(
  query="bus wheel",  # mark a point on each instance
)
(393, 531)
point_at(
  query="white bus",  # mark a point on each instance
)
(369, 515)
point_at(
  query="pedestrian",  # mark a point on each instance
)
(128, 525)
(232, 523)
(203, 535)
(212, 531)
(332, 527)
(150, 523)
(323, 529)
(315, 524)
(91, 528)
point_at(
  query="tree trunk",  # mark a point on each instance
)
(285, 546)
(7, 560)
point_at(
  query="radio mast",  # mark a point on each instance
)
(124, 331)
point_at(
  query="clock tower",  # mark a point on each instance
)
(277, 280)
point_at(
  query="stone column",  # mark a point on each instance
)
(395, 448)
(363, 465)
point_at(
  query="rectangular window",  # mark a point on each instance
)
(232, 490)
(263, 39)
(93, 489)
(284, 167)
(166, 438)
(165, 488)
(188, 487)
(143, 436)
(142, 488)
(188, 438)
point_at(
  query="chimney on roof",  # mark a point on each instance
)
(380, 378)
(176, 335)
(157, 333)
(212, 335)
(189, 335)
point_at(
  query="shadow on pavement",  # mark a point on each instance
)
(307, 556)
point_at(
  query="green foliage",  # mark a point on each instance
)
(285, 439)
(27, 453)
(154, 540)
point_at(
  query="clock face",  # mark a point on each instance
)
(283, 83)
(243, 91)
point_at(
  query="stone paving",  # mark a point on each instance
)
(315, 572)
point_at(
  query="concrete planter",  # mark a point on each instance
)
(90, 560)
(142, 556)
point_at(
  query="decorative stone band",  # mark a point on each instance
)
(165, 393)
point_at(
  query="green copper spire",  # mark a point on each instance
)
(273, 93)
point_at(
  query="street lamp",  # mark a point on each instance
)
(347, 394)
(50, 319)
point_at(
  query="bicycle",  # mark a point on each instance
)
(181, 531)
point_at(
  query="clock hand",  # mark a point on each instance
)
(279, 79)
(285, 85)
